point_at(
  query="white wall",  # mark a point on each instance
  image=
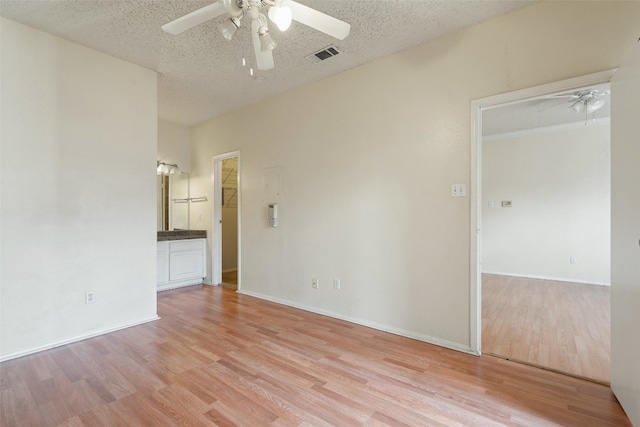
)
(173, 145)
(625, 236)
(559, 185)
(368, 159)
(78, 192)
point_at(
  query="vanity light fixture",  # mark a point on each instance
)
(167, 168)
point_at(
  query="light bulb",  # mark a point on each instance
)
(596, 105)
(577, 106)
(251, 71)
(266, 42)
(244, 62)
(281, 16)
(229, 27)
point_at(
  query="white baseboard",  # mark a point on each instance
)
(556, 279)
(71, 340)
(179, 284)
(385, 328)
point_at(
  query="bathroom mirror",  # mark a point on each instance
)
(173, 202)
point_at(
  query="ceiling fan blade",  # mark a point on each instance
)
(318, 20)
(194, 18)
(264, 58)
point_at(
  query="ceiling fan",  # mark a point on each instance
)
(280, 12)
(588, 100)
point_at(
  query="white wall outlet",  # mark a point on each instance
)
(458, 190)
(491, 204)
(336, 284)
(573, 260)
(89, 297)
(315, 283)
(506, 203)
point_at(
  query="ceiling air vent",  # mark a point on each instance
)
(324, 54)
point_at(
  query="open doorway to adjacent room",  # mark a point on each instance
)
(226, 220)
(544, 210)
(230, 222)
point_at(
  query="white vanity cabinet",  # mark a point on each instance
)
(181, 263)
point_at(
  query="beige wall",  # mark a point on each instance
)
(558, 181)
(78, 191)
(369, 156)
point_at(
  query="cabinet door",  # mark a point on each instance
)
(162, 275)
(162, 263)
(186, 265)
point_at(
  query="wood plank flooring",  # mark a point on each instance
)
(559, 325)
(220, 358)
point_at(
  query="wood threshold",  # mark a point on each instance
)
(546, 368)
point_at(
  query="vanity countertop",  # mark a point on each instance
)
(181, 235)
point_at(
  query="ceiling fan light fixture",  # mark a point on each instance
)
(281, 16)
(577, 106)
(596, 105)
(229, 27)
(266, 42)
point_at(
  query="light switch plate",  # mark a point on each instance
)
(458, 190)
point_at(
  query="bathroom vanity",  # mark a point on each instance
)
(181, 258)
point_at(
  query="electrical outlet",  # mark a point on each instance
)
(89, 297)
(315, 283)
(336, 284)
(573, 260)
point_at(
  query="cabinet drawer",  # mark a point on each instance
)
(186, 245)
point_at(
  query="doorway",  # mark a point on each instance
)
(226, 220)
(513, 274)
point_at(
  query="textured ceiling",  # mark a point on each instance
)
(200, 73)
(546, 111)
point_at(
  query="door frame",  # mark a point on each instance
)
(477, 106)
(216, 214)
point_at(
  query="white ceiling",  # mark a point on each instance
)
(200, 73)
(542, 112)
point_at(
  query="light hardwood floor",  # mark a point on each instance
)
(220, 358)
(558, 325)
